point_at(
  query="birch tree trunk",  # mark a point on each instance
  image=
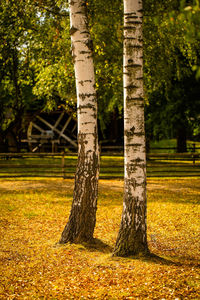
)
(132, 239)
(82, 219)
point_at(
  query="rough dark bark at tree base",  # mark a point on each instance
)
(125, 252)
(82, 219)
(129, 245)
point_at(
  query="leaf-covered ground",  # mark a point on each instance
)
(33, 266)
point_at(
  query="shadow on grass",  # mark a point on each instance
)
(98, 245)
(150, 258)
(153, 258)
(95, 245)
(156, 259)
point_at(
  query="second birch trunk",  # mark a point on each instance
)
(132, 238)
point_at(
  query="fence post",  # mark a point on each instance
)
(63, 164)
(194, 150)
(100, 149)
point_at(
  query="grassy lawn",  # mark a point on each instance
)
(171, 144)
(33, 266)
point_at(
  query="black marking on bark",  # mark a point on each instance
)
(137, 160)
(131, 17)
(134, 168)
(130, 39)
(128, 98)
(135, 22)
(139, 134)
(83, 81)
(84, 96)
(85, 32)
(94, 115)
(133, 46)
(134, 145)
(90, 106)
(139, 105)
(73, 53)
(88, 123)
(89, 44)
(73, 57)
(71, 2)
(133, 182)
(85, 52)
(129, 28)
(73, 30)
(129, 132)
(129, 14)
(89, 56)
(136, 66)
(131, 87)
(79, 12)
(136, 46)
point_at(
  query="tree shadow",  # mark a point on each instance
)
(97, 245)
(94, 245)
(151, 258)
(156, 259)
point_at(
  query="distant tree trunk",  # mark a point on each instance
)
(82, 219)
(182, 139)
(132, 238)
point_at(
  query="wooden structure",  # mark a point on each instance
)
(48, 131)
(13, 165)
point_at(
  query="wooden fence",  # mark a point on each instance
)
(64, 165)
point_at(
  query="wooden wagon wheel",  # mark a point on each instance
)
(51, 129)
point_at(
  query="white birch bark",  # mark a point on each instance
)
(82, 218)
(132, 234)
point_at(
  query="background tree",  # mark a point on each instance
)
(171, 56)
(106, 23)
(132, 238)
(36, 33)
(36, 69)
(82, 219)
(54, 82)
(17, 23)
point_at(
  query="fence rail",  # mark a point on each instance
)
(64, 165)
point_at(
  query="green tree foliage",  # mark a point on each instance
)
(106, 22)
(190, 16)
(37, 69)
(35, 60)
(54, 66)
(53, 63)
(171, 57)
(18, 21)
